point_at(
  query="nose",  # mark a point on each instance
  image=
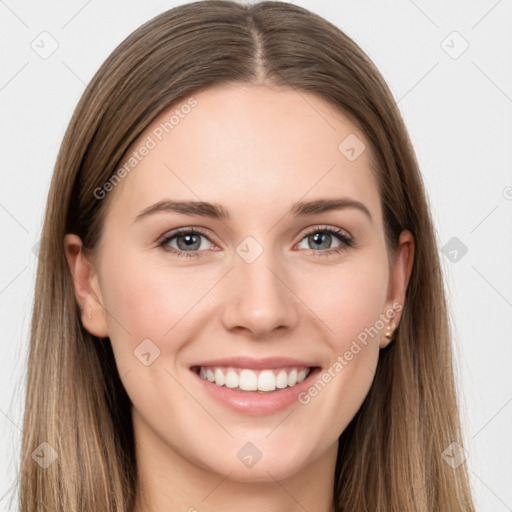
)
(260, 298)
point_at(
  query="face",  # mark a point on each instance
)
(287, 301)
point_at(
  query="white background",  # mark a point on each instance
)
(458, 112)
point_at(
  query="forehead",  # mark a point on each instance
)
(248, 147)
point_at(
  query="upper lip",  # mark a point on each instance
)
(256, 363)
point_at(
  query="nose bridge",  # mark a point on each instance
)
(259, 298)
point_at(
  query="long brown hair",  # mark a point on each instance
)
(390, 456)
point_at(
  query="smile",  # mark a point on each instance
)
(255, 386)
(245, 379)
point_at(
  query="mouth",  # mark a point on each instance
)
(246, 379)
(255, 388)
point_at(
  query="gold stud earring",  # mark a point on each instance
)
(389, 331)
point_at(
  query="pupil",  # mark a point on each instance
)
(317, 238)
(189, 240)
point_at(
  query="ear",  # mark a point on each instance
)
(399, 279)
(87, 289)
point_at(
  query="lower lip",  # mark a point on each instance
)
(257, 404)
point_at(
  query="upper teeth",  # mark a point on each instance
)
(251, 380)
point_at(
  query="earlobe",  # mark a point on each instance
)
(86, 285)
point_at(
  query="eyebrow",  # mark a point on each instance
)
(217, 211)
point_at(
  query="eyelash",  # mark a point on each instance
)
(346, 242)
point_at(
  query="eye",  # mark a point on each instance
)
(188, 241)
(322, 237)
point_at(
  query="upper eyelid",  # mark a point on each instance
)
(320, 227)
(184, 231)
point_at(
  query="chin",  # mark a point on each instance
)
(276, 465)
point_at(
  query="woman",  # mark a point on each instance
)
(242, 303)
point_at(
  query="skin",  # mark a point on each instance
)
(255, 150)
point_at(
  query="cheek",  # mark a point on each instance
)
(350, 299)
(350, 305)
(148, 300)
(149, 312)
